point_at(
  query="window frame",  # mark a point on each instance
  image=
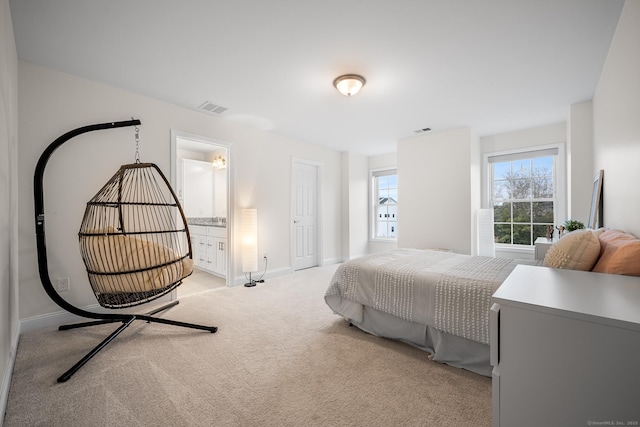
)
(373, 199)
(559, 177)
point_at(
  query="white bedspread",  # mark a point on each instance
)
(450, 292)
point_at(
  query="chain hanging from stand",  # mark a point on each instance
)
(137, 137)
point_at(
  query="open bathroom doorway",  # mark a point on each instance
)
(202, 179)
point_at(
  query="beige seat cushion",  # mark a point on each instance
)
(124, 256)
(578, 250)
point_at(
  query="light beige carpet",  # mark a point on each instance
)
(280, 358)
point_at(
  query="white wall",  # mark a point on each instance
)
(437, 199)
(355, 205)
(580, 161)
(8, 201)
(475, 184)
(52, 103)
(616, 130)
(220, 193)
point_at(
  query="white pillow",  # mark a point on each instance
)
(577, 250)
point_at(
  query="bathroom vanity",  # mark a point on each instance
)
(209, 245)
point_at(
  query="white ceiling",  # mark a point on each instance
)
(492, 65)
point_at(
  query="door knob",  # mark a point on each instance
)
(295, 221)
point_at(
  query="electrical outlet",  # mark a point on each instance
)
(63, 284)
(264, 255)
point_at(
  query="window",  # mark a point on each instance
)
(525, 194)
(384, 185)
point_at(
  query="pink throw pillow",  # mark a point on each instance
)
(619, 254)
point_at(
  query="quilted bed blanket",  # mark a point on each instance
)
(447, 291)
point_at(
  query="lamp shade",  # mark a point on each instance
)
(249, 232)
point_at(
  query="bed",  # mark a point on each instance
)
(440, 301)
(435, 300)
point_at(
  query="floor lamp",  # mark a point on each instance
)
(249, 243)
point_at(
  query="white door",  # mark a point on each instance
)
(305, 215)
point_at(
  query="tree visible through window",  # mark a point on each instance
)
(385, 196)
(523, 198)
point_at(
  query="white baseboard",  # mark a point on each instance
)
(8, 373)
(62, 317)
(57, 318)
(267, 275)
(49, 320)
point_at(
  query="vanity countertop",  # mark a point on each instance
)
(208, 222)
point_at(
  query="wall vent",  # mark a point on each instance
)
(210, 107)
(422, 130)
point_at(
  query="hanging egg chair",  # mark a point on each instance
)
(134, 241)
(132, 248)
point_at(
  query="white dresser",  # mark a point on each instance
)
(542, 245)
(565, 346)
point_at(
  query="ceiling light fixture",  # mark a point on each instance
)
(219, 162)
(349, 84)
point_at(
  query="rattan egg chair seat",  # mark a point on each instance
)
(133, 238)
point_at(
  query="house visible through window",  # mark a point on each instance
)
(524, 193)
(385, 204)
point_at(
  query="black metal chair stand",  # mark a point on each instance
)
(110, 278)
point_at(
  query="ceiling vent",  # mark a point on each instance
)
(422, 130)
(210, 107)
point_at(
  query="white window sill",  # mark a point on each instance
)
(516, 248)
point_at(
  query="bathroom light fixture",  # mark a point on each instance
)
(219, 162)
(349, 84)
(249, 231)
